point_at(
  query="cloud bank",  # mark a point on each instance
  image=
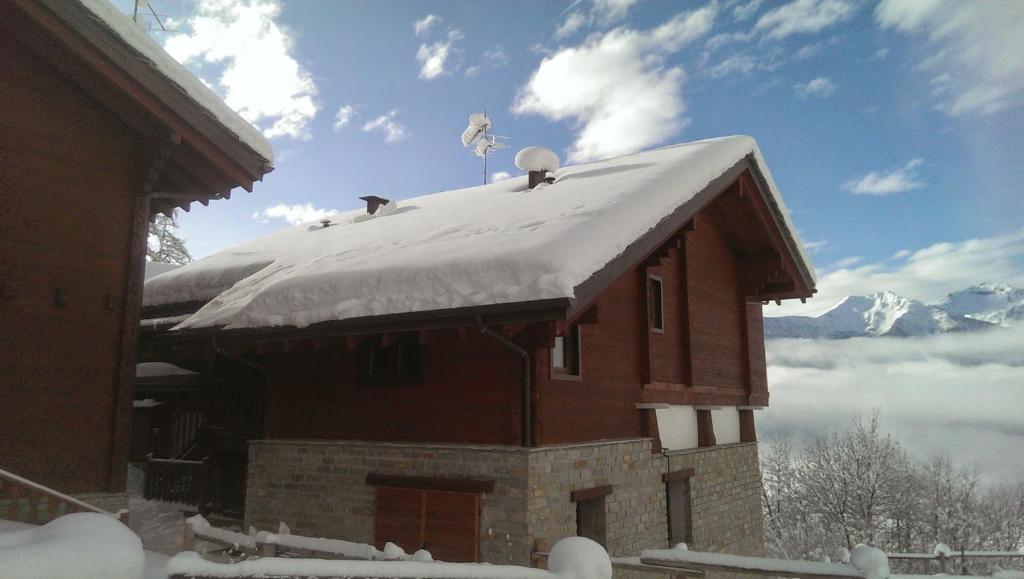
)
(958, 392)
(293, 214)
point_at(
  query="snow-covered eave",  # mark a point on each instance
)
(119, 50)
(641, 249)
(492, 314)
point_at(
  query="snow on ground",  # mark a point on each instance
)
(493, 244)
(75, 546)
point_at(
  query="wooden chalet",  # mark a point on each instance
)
(484, 371)
(99, 131)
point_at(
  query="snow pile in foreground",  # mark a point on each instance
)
(579, 558)
(492, 244)
(75, 546)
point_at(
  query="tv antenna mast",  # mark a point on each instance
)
(146, 4)
(477, 135)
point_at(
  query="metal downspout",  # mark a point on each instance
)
(527, 370)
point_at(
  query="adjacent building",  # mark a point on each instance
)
(99, 130)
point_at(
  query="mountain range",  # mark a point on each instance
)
(886, 313)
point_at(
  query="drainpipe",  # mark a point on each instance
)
(527, 368)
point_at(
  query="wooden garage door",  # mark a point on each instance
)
(446, 523)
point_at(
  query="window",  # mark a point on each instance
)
(655, 313)
(680, 510)
(398, 361)
(591, 521)
(565, 356)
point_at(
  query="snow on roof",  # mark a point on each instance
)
(130, 32)
(492, 244)
(157, 369)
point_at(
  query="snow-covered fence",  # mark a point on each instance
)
(571, 558)
(30, 502)
(943, 555)
(862, 563)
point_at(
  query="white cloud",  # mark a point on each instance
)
(808, 51)
(616, 86)
(896, 180)
(601, 13)
(394, 132)
(500, 176)
(259, 78)
(492, 58)
(820, 87)
(344, 116)
(926, 274)
(815, 246)
(803, 17)
(742, 63)
(846, 262)
(958, 392)
(573, 22)
(746, 10)
(433, 57)
(723, 38)
(976, 50)
(293, 214)
(881, 53)
(423, 25)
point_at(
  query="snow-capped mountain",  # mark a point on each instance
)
(993, 303)
(888, 314)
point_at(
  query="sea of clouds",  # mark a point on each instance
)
(962, 393)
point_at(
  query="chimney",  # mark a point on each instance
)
(373, 203)
(537, 162)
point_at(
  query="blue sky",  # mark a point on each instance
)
(892, 127)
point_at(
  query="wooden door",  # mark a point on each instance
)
(446, 523)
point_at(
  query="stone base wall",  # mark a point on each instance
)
(318, 488)
(635, 510)
(726, 496)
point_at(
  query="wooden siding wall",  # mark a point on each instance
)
(601, 403)
(469, 393)
(717, 311)
(67, 183)
(712, 345)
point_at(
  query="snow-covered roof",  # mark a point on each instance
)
(122, 26)
(492, 244)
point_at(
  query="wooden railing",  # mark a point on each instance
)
(176, 481)
(30, 502)
(210, 486)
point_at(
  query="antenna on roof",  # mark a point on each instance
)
(476, 136)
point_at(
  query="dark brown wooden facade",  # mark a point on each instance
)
(91, 152)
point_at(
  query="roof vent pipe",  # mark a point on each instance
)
(537, 161)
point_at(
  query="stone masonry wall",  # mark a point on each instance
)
(726, 497)
(635, 511)
(318, 488)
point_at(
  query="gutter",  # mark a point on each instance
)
(527, 386)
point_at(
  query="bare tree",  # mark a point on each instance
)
(164, 243)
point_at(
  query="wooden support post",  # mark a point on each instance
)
(705, 428)
(747, 431)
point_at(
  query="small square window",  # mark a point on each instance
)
(565, 356)
(397, 362)
(655, 305)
